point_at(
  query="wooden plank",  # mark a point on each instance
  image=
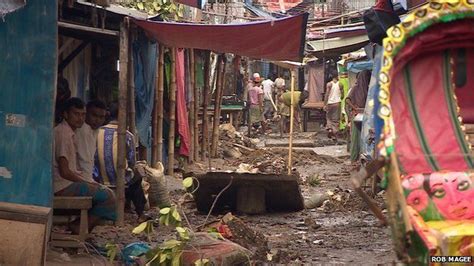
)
(71, 56)
(24, 213)
(122, 121)
(67, 25)
(72, 203)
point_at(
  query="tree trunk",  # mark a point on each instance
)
(122, 121)
(205, 125)
(172, 99)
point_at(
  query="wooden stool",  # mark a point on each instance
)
(83, 204)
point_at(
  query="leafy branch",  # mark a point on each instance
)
(167, 9)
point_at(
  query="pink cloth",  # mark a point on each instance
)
(254, 92)
(181, 110)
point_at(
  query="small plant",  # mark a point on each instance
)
(314, 180)
(170, 251)
(112, 250)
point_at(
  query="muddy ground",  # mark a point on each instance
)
(341, 231)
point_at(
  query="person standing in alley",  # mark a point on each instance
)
(268, 103)
(332, 106)
(255, 98)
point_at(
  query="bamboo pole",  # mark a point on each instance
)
(172, 99)
(292, 118)
(205, 126)
(154, 118)
(159, 128)
(196, 110)
(217, 105)
(122, 120)
(191, 107)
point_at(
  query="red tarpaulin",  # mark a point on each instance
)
(279, 39)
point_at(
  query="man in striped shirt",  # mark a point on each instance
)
(105, 169)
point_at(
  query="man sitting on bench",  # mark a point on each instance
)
(105, 169)
(68, 180)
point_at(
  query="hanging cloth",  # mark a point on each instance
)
(181, 110)
(144, 67)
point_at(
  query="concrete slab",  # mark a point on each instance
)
(334, 151)
(282, 192)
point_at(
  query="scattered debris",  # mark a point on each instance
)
(315, 201)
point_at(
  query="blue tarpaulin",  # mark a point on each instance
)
(144, 64)
(358, 66)
(28, 39)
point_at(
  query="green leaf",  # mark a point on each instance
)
(165, 211)
(183, 233)
(176, 215)
(170, 243)
(140, 6)
(201, 262)
(154, 257)
(162, 258)
(176, 261)
(140, 228)
(188, 182)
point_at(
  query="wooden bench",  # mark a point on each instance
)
(81, 204)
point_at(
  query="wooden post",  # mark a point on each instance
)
(205, 125)
(292, 118)
(131, 90)
(196, 110)
(191, 105)
(122, 121)
(172, 99)
(217, 105)
(159, 104)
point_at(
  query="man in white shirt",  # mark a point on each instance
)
(268, 103)
(334, 92)
(86, 137)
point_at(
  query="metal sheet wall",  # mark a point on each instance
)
(27, 77)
